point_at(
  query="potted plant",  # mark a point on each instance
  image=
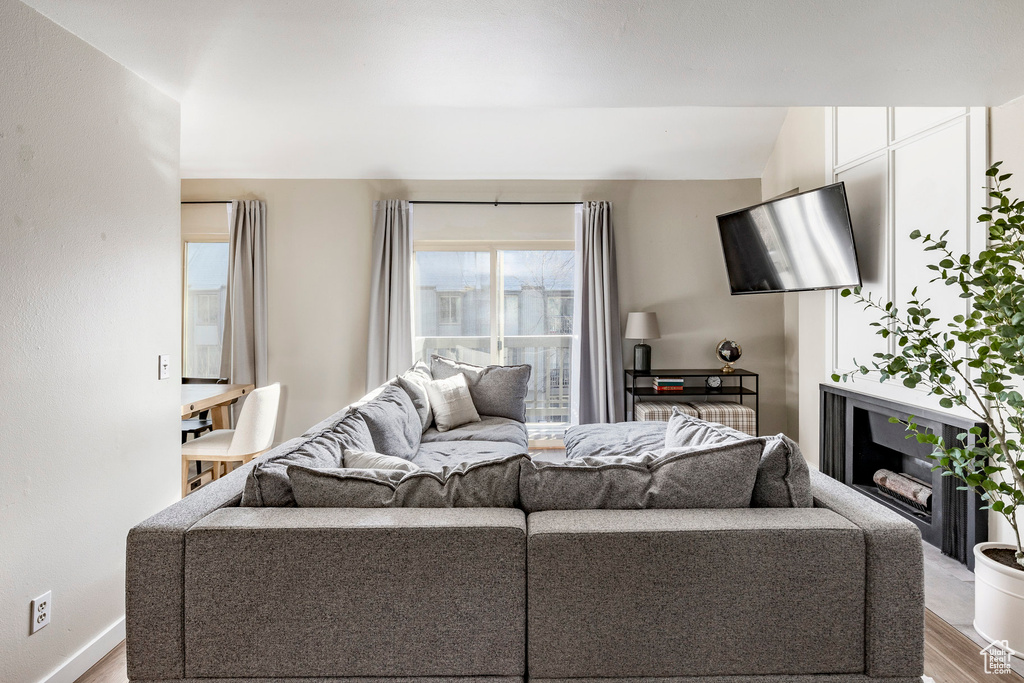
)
(984, 380)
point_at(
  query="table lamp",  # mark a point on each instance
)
(642, 326)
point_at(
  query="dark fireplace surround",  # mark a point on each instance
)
(857, 440)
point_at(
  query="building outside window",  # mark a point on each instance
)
(204, 297)
(492, 304)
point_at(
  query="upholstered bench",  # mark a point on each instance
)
(729, 413)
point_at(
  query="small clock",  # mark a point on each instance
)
(713, 383)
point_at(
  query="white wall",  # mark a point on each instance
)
(670, 261)
(89, 277)
(797, 162)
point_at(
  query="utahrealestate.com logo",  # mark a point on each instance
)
(998, 658)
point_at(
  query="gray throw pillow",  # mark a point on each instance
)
(415, 381)
(783, 478)
(483, 484)
(393, 423)
(498, 390)
(268, 485)
(717, 476)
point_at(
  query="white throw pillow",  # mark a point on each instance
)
(451, 403)
(364, 460)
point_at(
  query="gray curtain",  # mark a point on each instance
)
(390, 339)
(244, 355)
(598, 341)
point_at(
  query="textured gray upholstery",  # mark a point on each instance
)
(620, 438)
(341, 592)
(490, 484)
(441, 454)
(393, 422)
(895, 579)
(268, 483)
(812, 678)
(740, 592)
(498, 390)
(783, 478)
(720, 476)
(361, 679)
(487, 429)
(154, 566)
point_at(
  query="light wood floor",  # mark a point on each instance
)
(949, 657)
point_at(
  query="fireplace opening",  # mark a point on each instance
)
(863, 449)
(890, 467)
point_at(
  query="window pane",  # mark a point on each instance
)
(206, 280)
(453, 305)
(538, 322)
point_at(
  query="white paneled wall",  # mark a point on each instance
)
(905, 169)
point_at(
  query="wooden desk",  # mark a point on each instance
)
(212, 397)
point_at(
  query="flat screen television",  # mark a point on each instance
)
(796, 243)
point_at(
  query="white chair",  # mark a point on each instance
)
(252, 435)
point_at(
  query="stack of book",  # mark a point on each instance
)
(668, 385)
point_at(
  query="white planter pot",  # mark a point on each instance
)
(998, 599)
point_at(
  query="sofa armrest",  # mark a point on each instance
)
(894, 584)
(345, 592)
(154, 579)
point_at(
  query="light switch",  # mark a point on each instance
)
(165, 367)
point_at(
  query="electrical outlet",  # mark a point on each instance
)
(165, 367)
(41, 608)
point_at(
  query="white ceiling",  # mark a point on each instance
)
(536, 88)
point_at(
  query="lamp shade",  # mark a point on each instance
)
(642, 326)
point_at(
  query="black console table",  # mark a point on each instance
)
(637, 388)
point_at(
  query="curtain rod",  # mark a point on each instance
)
(212, 201)
(494, 203)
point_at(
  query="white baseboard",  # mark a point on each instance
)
(83, 660)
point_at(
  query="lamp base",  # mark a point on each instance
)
(642, 357)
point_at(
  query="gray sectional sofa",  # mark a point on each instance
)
(236, 584)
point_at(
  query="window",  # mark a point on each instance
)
(205, 293)
(504, 303)
(448, 308)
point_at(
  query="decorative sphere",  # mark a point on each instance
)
(728, 351)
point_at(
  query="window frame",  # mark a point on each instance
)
(497, 300)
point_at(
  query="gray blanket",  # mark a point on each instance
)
(623, 438)
(488, 429)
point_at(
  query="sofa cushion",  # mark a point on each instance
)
(440, 454)
(494, 484)
(783, 479)
(268, 485)
(393, 423)
(498, 390)
(452, 404)
(716, 476)
(719, 595)
(365, 460)
(622, 438)
(489, 428)
(415, 381)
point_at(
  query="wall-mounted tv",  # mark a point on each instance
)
(796, 243)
